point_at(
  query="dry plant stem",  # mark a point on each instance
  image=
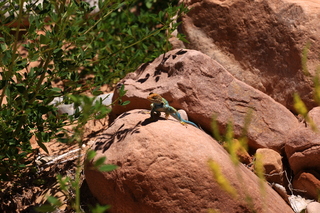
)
(62, 156)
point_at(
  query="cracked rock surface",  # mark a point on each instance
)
(192, 81)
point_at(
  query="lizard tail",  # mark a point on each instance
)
(189, 122)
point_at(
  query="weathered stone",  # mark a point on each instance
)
(303, 145)
(259, 42)
(303, 152)
(163, 167)
(272, 163)
(192, 81)
(308, 183)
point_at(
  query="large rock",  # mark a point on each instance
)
(307, 184)
(259, 42)
(272, 164)
(303, 145)
(303, 152)
(163, 167)
(192, 81)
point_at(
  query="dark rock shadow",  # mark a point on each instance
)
(150, 120)
(106, 140)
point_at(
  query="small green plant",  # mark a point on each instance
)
(71, 190)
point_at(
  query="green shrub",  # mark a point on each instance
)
(73, 46)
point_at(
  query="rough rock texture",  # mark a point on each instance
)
(163, 168)
(303, 145)
(308, 183)
(272, 164)
(259, 42)
(303, 152)
(193, 81)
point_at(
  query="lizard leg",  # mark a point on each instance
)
(183, 123)
(154, 114)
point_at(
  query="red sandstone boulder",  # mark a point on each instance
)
(303, 145)
(303, 152)
(259, 42)
(272, 164)
(192, 81)
(308, 184)
(163, 167)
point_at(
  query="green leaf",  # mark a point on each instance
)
(102, 111)
(99, 162)
(107, 168)
(3, 47)
(149, 4)
(44, 39)
(122, 91)
(91, 154)
(54, 201)
(54, 92)
(45, 208)
(100, 209)
(6, 57)
(42, 146)
(21, 88)
(125, 103)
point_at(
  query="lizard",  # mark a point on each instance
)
(159, 104)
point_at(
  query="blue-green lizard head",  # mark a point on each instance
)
(155, 98)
